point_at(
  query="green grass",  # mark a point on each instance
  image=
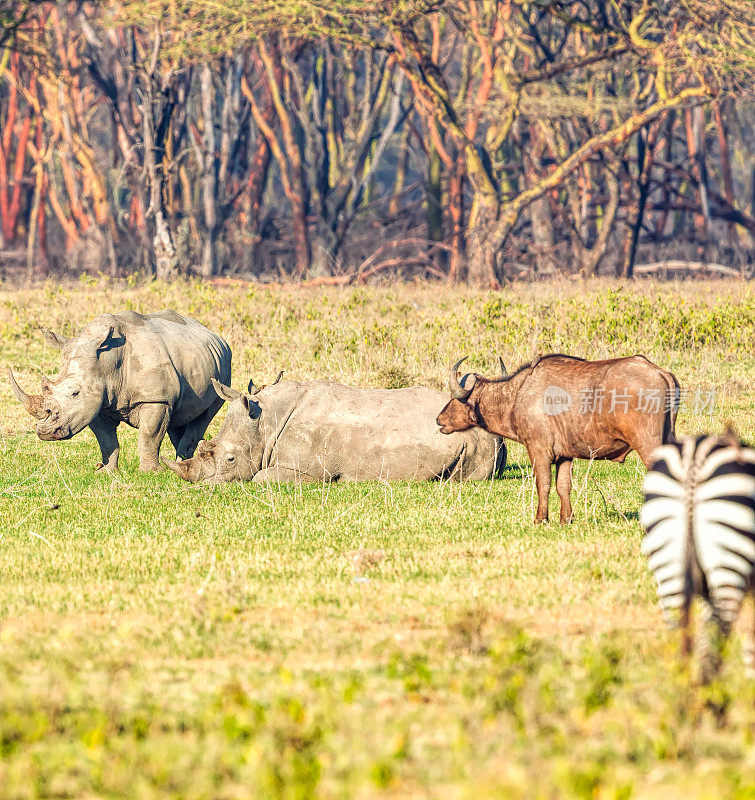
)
(163, 640)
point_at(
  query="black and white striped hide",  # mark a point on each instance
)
(699, 519)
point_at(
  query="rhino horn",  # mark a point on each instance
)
(181, 468)
(504, 373)
(457, 390)
(225, 392)
(32, 402)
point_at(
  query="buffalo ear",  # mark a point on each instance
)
(473, 416)
(225, 392)
(54, 339)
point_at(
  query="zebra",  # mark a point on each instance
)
(699, 521)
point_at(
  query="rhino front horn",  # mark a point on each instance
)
(31, 402)
(175, 466)
(179, 467)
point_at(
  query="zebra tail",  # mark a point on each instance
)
(686, 611)
(690, 564)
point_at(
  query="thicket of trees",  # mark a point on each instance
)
(476, 140)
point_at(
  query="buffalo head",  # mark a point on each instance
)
(460, 413)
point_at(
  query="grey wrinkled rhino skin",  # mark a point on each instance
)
(323, 430)
(154, 372)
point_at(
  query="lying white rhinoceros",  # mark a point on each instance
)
(153, 372)
(322, 430)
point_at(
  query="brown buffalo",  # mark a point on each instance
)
(561, 408)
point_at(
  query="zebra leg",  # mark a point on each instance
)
(712, 633)
(749, 644)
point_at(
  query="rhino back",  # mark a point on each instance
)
(169, 358)
(360, 434)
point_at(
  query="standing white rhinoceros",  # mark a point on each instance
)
(323, 430)
(154, 372)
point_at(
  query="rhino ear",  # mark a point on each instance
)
(253, 406)
(54, 339)
(110, 340)
(225, 392)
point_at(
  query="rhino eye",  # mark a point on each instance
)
(75, 394)
(230, 458)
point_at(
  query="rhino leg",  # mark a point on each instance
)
(194, 431)
(105, 432)
(175, 434)
(153, 423)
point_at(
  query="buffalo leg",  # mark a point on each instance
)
(563, 487)
(195, 430)
(153, 423)
(105, 433)
(542, 467)
(645, 451)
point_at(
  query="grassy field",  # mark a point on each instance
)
(163, 640)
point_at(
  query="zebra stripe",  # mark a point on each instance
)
(699, 519)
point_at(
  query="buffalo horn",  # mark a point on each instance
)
(457, 390)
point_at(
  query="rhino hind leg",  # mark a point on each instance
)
(105, 433)
(153, 424)
(193, 432)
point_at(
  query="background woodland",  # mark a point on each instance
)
(474, 141)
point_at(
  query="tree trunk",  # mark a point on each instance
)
(482, 250)
(434, 198)
(209, 181)
(325, 247)
(645, 147)
(166, 258)
(723, 146)
(693, 130)
(456, 267)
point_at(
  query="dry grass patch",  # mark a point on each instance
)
(405, 640)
